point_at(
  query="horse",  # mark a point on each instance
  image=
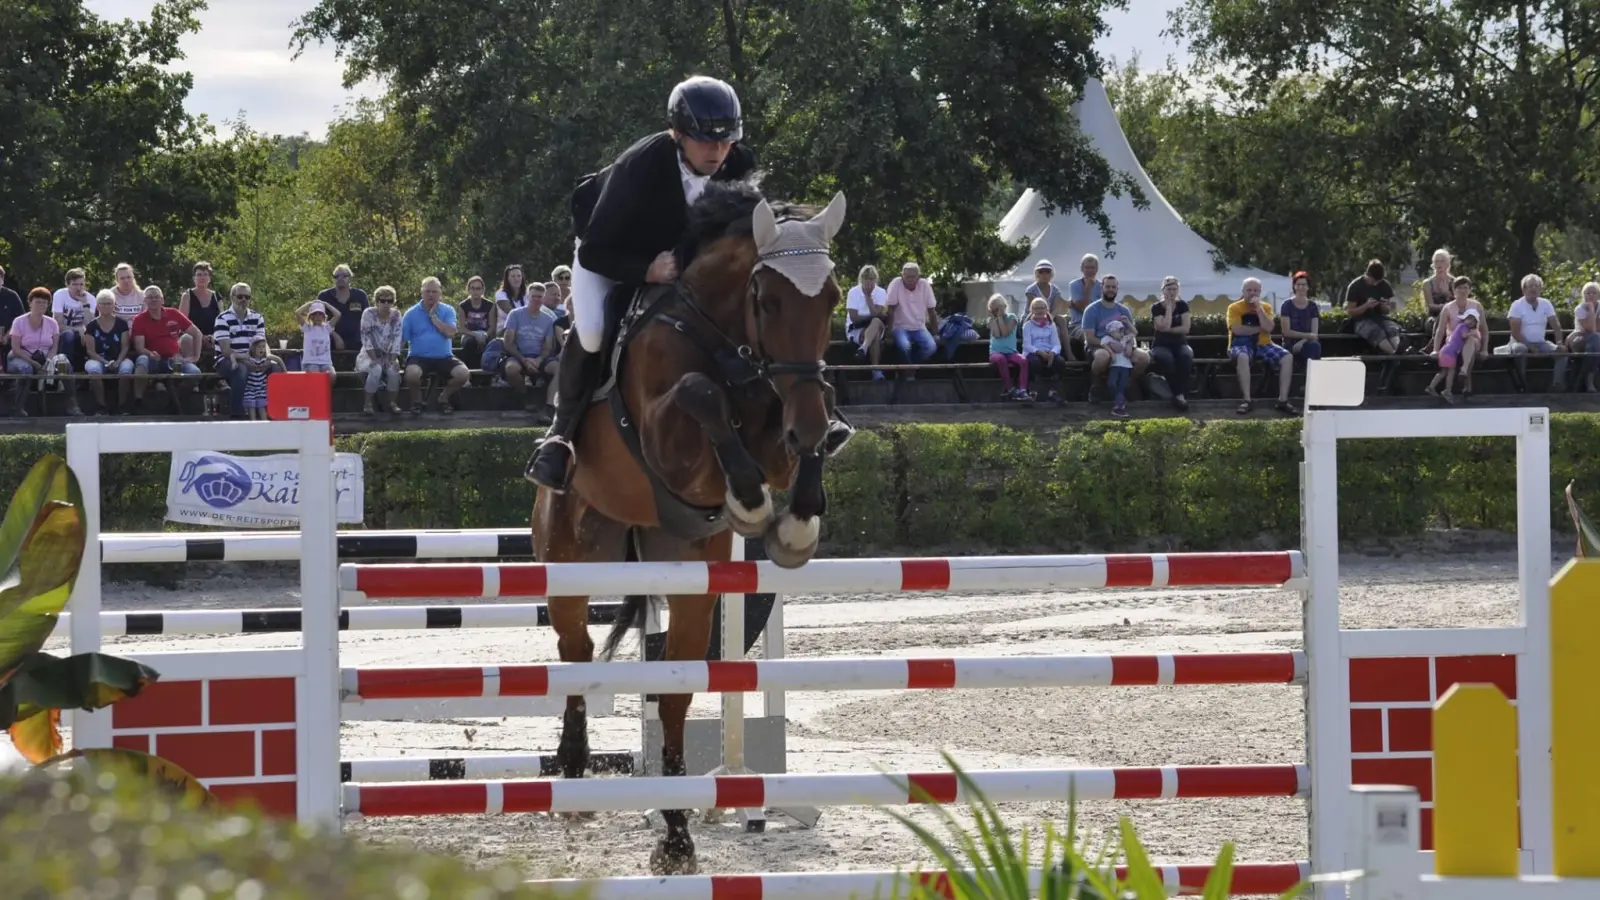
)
(717, 398)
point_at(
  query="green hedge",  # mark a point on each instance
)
(925, 489)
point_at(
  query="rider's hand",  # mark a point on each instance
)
(663, 269)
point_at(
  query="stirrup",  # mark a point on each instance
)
(839, 434)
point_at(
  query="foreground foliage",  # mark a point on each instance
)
(65, 838)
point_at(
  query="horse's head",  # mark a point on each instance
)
(792, 296)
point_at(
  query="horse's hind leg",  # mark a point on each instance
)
(566, 531)
(749, 500)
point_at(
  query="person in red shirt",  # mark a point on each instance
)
(164, 342)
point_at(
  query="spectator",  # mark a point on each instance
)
(1003, 346)
(72, 306)
(1250, 321)
(258, 366)
(1585, 337)
(1043, 288)
(233, 336)
(427, 328)
(127, 293)
(866, 317)
(1081, 293)
(1041, 341)
(380, 350)
(913, 317)
(513, 289)
(561, 277)
(1462, 342)
(1119, 342)
(348, 302)
(318, 332)
(35, 350)
(1475, 346)
(1532, 317)
(201, 305)
(107, 346)
(1437, 290)
(1368, 301)
(11, 307)
(531, 352)
(554, 299)
(1302, 321)
(1170, 352)
(1093, 327)
(479, 321)
(164, 342)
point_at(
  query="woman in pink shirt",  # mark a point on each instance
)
(35, 346)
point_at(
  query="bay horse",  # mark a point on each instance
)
(717, 398)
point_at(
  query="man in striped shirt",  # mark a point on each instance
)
(237, 327)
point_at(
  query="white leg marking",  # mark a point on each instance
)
(757, 516)
(796, 533)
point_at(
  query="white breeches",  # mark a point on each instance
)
(588, 302)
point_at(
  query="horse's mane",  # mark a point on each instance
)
(724, 209)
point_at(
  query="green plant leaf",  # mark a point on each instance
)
(1588, 532)
(49, 480)
(85, 681)
(39, 583)
(168, 777)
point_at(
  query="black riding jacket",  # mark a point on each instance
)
(634, 209)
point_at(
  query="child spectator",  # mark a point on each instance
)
(1119, 342)
(257, 367)
(1041, 341)
(1003, 353)
(317, 328)
(1585, 336)
(1450, 354)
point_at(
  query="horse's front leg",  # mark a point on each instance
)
(748, 501)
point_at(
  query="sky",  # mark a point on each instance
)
(242, 62)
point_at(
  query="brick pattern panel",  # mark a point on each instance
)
(236, 735)
(1391, 716)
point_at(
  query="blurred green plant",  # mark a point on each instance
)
(989, 862)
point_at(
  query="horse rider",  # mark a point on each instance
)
(629, 217)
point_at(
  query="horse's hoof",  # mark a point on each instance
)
(666, 862)
(791, 541)
(746, 522)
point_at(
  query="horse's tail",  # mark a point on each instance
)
(634, 609)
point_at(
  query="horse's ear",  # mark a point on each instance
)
(764, 226)
(832, 218)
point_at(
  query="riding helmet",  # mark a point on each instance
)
(705, 109)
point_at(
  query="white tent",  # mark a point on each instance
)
(1149, 244)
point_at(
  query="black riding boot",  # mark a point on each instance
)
(551, 464)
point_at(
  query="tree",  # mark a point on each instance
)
(1472, 122)
(99, 163)
(915, 110)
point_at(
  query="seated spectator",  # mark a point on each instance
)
(128, 294)
(532, 353)
(561, 277)
(1100, 314)
(1082, 292)
(164, 342)
(866, 318)
(234, 333)
(11, 307)
(1170, 353)
(1004, 339)
(1585, 337)
(1119, 342)
(479, 321)
(107, 345)
(513, 290)
(317, 324)
(36, 350)
(1250, 321)
(1532, 319)
(258, 366)
(1437, 290)
(1461, 342)
(72, 306)
(1043, 288)
(349, 302)
(1368, 301)
(1302, 321)
(554, 299)
(913, 316)
(380, 350)
(201, 305)
(1475, 346)
(1041, 341)
(428, 328)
